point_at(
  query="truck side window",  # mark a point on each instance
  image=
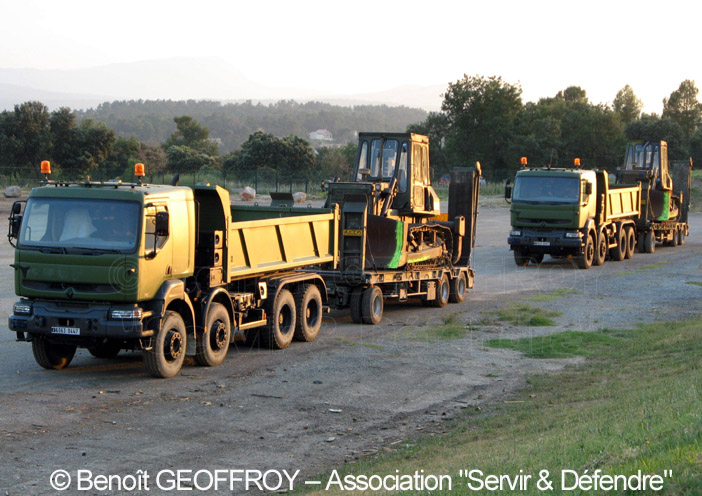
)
(150, 228)
(362, 160)
(402, 169)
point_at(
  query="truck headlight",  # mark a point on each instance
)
(515, 232)
(131, 313)
(22, 308)
(576, 234)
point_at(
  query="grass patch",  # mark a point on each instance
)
(643, 268)
(439, 333)
(633, 405)
(560, 345)
(694, 283)
(552, 295)
(527, 315)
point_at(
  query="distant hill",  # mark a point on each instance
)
(182, 78)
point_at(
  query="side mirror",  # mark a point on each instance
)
(588, 188)
(161, 224)
(16, 208)
(15, 222)
(508, 192)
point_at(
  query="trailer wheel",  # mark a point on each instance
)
(281, 322)
(372, 305)
(588, 255)
(355, 305)
(650, 242)
(630, 242)
(212, 344)
(107, 349)
(601, 249)
(308, 305)
(443, 292)
(458, 288)
(521, 257)
(51, 355)
(641, 243)
(681, 237)
(675, 240)
(167, 354)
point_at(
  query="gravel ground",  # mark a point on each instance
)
(355, 391)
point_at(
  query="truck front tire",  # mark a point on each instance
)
(521, 257)
(166, 356)
(212, 343)
(50, 355)
(588, 254)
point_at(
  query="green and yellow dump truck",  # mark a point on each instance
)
(175, 271)
(580, 214)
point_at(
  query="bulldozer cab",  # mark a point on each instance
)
(650, 156)
(397, 164)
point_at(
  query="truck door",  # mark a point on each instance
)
(156, 253)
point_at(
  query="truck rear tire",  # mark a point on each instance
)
(458, 288)
(650, 242)
(676, 240)
(372, 305)
(630, 242)
(681, 238)
(586, 258)
(107, 349)
(166, 356)
(619, 252)
(521, 257)
(308, 306)
(355, 305)
(51, 355)
(443, 291)
(280, 330)
(212, 344)
(601, 250)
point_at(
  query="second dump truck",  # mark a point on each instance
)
(590, 215)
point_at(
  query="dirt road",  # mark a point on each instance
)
(354, 391)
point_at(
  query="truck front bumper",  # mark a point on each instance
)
(545, 242)
(77, 322)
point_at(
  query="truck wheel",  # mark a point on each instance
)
(308, 305)
(537, 258)
(458, 288)
(681, 237)
(650, 242)
(355, 305)
(372, 305)
(588, 255)
(107, 349)
(281, 322)
(601, 251)
(443, 291)
(521, 258)
(619, 252)
(674, 240)
(212, 344)
(630, 242)
(166, 356)
(50, 355)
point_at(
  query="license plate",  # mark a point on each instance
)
(69, 331)
(542, 243)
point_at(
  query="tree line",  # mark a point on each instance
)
(481, 119)
(484, 119)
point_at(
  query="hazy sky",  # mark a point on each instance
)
(364, 46)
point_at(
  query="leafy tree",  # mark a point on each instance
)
(192, 134)
(299, 158)
(654, 128)
(482, 115)
(26, 139)
(627, 105)
(262, 150)
(88, 145)
(436, 127)
(683, 107)
(186, 159)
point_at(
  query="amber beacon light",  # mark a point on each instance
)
(45, 167)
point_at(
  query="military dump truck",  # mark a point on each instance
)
(169, 270)
(665, 187)
(174, 271)
(572, 213)
(394, 243)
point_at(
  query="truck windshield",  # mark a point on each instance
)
(71, 224)
(546, 189)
